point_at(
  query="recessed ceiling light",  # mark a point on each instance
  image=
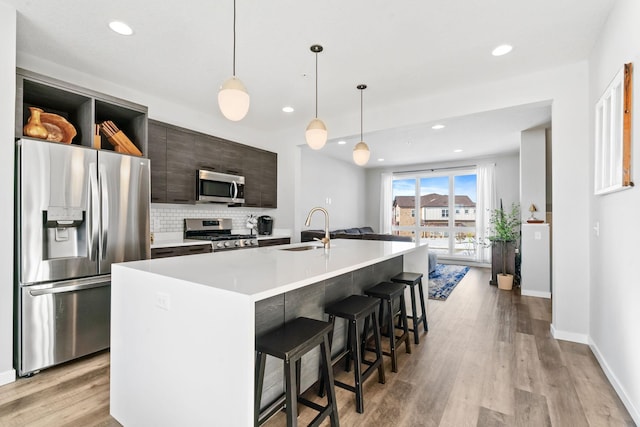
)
(342, 142)
(457, 150)
(381, 160)
(438, 127)
(288, 109)
(120, 28)
(503, 49)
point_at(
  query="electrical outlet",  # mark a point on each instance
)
(163, 301)
(537, 235)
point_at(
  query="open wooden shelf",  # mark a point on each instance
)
(83, 108)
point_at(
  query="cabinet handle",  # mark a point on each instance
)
(196, 249)
(180, 200)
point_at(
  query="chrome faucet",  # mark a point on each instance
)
(325, 240)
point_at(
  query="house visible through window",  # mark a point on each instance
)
(421, 207)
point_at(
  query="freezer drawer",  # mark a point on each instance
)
(63, 321)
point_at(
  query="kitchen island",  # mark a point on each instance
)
(183, 329)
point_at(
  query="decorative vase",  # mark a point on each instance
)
(505, 281)
(34, 127)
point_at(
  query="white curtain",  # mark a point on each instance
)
(487, 200)
(385, 202)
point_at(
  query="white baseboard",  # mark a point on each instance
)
(537, 294)
(7, 377)
(613, 379)
(569, 336)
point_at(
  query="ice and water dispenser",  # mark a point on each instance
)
(65, 232)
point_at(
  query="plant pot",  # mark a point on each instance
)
(505, 281)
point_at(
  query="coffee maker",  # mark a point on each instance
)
(265, 225)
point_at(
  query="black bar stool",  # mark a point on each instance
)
(387, 292)
(356, 309)
(411, 280)
(290, 343)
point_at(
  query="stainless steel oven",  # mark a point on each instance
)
(216, 187)
(218, 231)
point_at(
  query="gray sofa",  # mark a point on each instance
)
(362, 233)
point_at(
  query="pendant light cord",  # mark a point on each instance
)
(361, 139)
(316, 85)
(234, 38)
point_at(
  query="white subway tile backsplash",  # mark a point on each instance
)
(170, 218)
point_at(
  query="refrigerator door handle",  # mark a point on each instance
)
(104, 190)
(94, 212)
(68, 288)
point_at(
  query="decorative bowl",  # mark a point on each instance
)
(60, 130)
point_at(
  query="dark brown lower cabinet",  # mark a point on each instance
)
(274, 242)
(180, 251)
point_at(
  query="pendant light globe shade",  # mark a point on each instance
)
(316, 134)
(233, 99)
(361, 153)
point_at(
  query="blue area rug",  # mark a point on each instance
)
(444, 279)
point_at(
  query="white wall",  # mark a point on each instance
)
(615, 287)
(7, 120)
(344, 184)
(533, 173)
(507, 178)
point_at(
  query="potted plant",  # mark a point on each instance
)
(505, 230)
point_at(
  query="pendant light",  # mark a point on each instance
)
(361, 151)
(233, 98)
(316, 133)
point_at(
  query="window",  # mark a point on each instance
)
(422, 207)
(613, 135)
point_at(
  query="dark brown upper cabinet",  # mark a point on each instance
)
(176, 154)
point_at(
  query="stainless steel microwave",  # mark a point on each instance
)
(216, 187)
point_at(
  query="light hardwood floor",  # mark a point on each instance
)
(488, 360)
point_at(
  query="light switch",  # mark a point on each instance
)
(537, 235)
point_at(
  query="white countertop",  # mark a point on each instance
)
(264, 272)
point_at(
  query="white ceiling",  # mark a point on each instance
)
(182, 52)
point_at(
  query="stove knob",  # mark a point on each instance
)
(236, 243)
(219, 245)
(227, 244)
(247, 242)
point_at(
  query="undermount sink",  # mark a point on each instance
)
(301, 248)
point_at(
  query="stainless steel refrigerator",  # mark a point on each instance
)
(78, 211)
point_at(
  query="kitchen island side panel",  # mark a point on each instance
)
(181, 353)
(310, 301)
